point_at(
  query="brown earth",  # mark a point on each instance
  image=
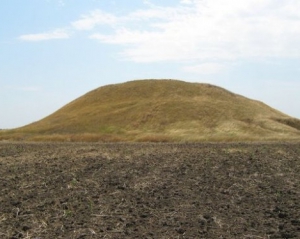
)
(77, 190)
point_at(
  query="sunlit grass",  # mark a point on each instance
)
(160, 111)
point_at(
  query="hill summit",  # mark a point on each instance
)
(161, 110)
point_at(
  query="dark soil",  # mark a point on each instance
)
(247, 191)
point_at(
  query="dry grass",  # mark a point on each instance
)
(86, 137)
(160, 111)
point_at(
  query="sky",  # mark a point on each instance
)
(54, 51)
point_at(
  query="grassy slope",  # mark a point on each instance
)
(163, 110)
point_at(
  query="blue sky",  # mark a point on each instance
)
(53, 51)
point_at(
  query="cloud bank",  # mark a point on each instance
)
(196, 30)
(207, 30)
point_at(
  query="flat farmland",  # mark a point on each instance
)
(143, 190)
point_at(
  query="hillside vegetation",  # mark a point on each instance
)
(161, 110)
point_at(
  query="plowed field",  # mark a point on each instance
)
(78, 190)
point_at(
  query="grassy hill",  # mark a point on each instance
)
(161, 110)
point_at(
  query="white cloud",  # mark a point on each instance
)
(152, 13)
(56, 34)
(208, 30)
(205, 68)
(97, 17)
(204, 30)
(186, 1)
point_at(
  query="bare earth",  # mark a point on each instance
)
(78, 190)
